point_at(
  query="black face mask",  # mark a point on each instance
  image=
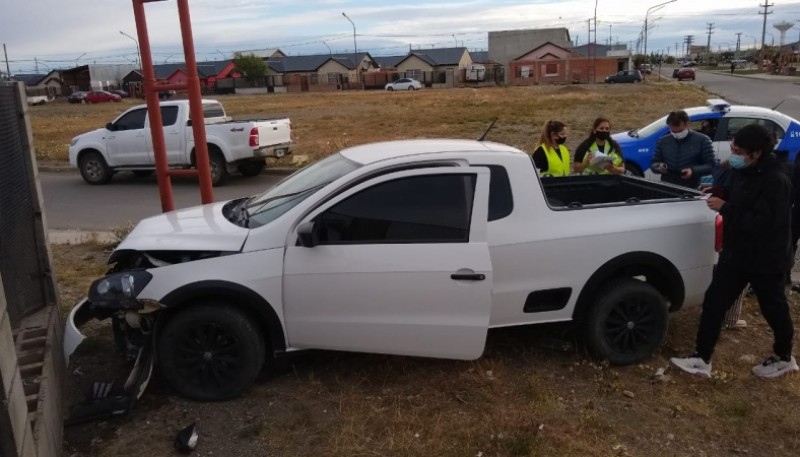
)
(601, 135)
(561, 140)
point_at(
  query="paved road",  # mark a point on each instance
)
(71, 204)
(751, 91)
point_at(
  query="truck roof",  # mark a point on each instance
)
(376, 152)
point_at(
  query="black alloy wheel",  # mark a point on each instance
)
(210, 352)
(627, 323)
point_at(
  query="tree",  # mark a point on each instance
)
(250, 66)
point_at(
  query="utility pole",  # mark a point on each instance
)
(738, 41)
(766, 6)
(8, 69)
(710, 31)
(689, 40)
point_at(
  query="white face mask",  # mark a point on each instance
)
(680, 135)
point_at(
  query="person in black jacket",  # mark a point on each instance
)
(756, 248)
(683, 156)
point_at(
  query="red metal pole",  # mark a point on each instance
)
(195, 105)
(153, 109)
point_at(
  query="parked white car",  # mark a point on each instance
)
(408, 247)
(404, 84)
(125, 143)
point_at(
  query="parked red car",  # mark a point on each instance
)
(97, 96)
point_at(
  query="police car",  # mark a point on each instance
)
(720, 121)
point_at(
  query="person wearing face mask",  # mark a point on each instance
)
(551, 158)
(756, 248)
(599, 141)
(683, 156)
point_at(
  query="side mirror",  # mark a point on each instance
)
(305, 234)
(111, 127)
(189, 123)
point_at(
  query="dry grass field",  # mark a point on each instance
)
(533, 393)
(325, 122)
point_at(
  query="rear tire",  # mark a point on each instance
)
(94, 169)
(410, 87)
(219, 168)
(627, 323)
(390, 89)
(253, 168)
(210, 352)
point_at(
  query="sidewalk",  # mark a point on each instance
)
(763, 76)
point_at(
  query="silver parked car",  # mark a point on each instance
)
(404, 84)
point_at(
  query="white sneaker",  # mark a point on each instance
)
(693, 365)
(774, 367)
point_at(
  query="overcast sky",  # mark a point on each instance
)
(59, 33)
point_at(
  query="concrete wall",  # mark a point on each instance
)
(31, 354)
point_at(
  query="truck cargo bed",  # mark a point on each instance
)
(609, 190)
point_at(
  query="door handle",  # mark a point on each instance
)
(468, 276)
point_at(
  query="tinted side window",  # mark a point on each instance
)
(132, 120)
(419, 209)
(736, 123)
(501, 201)
(169, 115)
(212, 110)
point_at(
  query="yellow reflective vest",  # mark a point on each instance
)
(557, 162)
(616, 159)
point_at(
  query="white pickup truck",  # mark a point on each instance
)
(410, 247)
(126, 144)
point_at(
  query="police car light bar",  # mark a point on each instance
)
(718, 104)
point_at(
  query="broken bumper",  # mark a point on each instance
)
(103, 405)
(73, 337)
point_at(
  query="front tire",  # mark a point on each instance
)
(211, 352)
(410, 87)
(627, 322)
(94, 169)
(390, 89)
(631, 169)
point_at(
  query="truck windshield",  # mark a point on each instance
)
(268, 206)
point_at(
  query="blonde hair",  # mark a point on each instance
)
(550, 127)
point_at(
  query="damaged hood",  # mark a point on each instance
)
(198, 228)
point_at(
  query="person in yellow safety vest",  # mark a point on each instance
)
(551, 158)
(599, 141)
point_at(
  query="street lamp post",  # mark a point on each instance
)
(138, 53)
(355, 46)
(650, 10)
(79, 58)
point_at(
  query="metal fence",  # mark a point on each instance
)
(20, 263)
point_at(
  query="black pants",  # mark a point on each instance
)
(725, 287)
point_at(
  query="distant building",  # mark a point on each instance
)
(507, 45)
(41, 84)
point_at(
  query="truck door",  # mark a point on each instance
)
(127, 144)
(398, 265)
(174, 136)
